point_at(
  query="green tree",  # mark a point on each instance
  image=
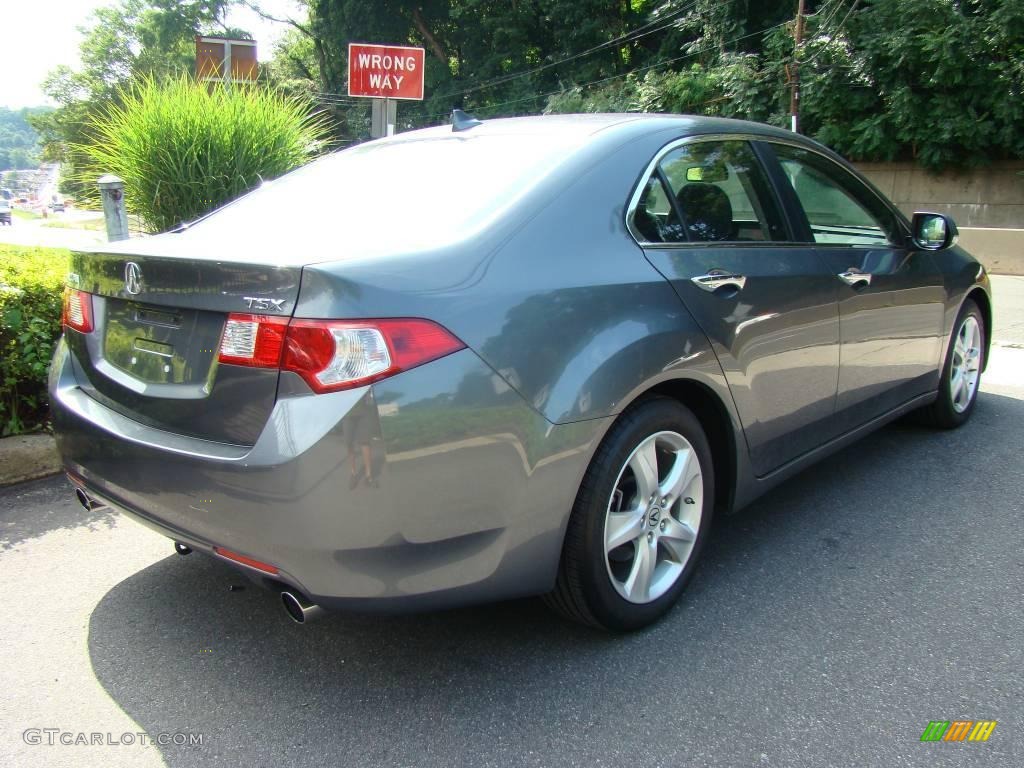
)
(121, 43)
(477, 50)
(936, 81)
(19, 141)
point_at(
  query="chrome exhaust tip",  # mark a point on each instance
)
(299, 609)
(88, 503)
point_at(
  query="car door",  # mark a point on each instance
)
(891, 296)
(710, 222)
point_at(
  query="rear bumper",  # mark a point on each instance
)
(470, 495)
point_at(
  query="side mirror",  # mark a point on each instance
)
(933, 231)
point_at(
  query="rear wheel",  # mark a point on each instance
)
(639, 521)
(961, 374)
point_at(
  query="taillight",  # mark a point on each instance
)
(77, 313)
(332, 355)
(253, 340)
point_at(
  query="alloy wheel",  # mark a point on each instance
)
(965, 369)
(653, 517)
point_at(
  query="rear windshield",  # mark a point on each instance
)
(402, 195)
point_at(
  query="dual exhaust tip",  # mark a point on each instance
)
(298, 607)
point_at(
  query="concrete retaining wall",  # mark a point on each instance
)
(1000, 250)
(986, 203)
(980, 197)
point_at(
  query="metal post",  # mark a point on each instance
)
(383, 118)
(390, 116)
(112, 192)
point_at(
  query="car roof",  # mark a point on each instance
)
(585, 126)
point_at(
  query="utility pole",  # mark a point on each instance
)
(794, 69)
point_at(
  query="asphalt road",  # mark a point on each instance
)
(829, 624)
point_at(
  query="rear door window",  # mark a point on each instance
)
(720, 193)
(655, 219)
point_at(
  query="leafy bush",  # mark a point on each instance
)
(184, 148)
(934, 81)
(31, 282)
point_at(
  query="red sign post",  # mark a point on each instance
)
(385, 71)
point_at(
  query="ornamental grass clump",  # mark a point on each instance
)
(184, 148)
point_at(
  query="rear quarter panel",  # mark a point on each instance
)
(557, 298)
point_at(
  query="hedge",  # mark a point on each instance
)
(31, 287)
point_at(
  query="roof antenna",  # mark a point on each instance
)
(463, 122)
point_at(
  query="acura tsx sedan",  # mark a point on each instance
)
(532, 356)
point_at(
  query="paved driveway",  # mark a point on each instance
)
(828, 625)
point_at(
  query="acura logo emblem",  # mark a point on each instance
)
(132, 278)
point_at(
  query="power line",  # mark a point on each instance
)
(632, 36)
(835, 31)
(848, 14)
(638, 70)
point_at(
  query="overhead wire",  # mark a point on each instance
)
(636, 34)
(634, 71)
(834, 32)
(650, 28)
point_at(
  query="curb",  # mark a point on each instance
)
(28, 457)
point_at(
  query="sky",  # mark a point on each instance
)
(37, 35)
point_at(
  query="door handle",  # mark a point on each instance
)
(712, 281)
(854, 278)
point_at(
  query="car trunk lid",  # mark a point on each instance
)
(159, 315)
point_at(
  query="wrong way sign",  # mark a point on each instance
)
(385, 71)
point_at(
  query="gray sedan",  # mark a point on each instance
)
(516, 357)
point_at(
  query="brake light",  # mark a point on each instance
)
(332, 355)
(253, 340)
(77, 313)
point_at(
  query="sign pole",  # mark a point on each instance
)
(378, 129)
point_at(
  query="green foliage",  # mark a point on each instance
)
(184, 148)
(31, 280)
(473, 47)
(937, 81)
(19, 142)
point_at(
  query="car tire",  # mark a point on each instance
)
(601, 582)
(961, 374)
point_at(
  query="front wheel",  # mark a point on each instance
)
(961, 373)
(640, 519)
